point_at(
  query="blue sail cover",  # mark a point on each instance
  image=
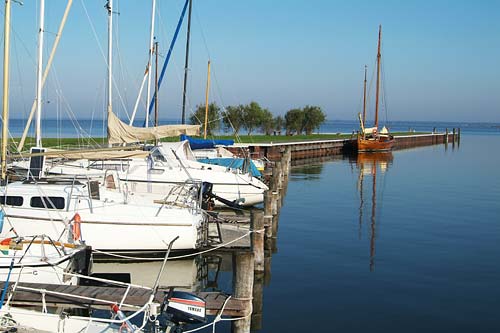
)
(205, 143)
(232, 162)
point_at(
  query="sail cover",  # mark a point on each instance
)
(196, 143)
(119, 132)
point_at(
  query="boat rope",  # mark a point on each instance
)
(7, 324)
(180, 256)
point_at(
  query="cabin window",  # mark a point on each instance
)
(11, 200)
(47, 202)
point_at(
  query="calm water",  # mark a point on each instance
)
(425, 261)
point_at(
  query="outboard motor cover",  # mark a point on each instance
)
(184, 307)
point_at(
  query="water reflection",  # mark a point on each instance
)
(368, 165)
(200, 273)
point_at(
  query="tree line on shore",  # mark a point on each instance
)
(252, 117)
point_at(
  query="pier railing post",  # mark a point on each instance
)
(257, 239)
(243, 277)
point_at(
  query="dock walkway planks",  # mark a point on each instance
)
(136, 297)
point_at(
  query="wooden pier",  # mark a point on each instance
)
(136, 297)
(319, 148)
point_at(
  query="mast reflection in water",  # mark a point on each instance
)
(368, 164)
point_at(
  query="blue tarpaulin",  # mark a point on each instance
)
(205, 143)
(232, 162)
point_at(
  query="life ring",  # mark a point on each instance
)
(76, 227)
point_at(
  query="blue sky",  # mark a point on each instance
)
(440, 57)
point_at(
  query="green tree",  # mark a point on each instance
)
(279, 123)
(233, 118)
(267, 122)
(313, 118)
(198, 118)
(294, 120)
(252, 116)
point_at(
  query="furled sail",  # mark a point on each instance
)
(119, 132)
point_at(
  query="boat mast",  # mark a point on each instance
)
(150, 60)
(186, 64)
(109, 7)
(38, 131)
(45, 74)
(206, 101)
(364, 99)
(5, 104)
(156, 84)
(378, 76)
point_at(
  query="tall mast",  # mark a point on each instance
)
(150, 60)
(109, 7)
(156, 84)
(364, 99)
(38, 130)
(156, 88)
(186, 66)
(378, 75)
(206, 100)
(45, 73)
(5, 104)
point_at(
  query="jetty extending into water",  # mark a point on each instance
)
(319, 148)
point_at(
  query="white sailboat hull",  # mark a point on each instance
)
(118, 232)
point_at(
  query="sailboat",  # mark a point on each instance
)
(164, 168)
(109, 215)
(371, 139)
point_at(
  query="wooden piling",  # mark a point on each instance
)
(268, 213)
(243, 277)
(267, 261)
(257, 239)
(446, 136)
(257, 301)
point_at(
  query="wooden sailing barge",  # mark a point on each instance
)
(371, 139)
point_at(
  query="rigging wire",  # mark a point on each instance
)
(104, 57)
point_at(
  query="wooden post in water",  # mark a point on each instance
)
(257, 239)
(268, 213)
(458, 137)
(267, 260)
(454, 136)
(257, 301)
(446, 137)
(243, 277)
(276, 207)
